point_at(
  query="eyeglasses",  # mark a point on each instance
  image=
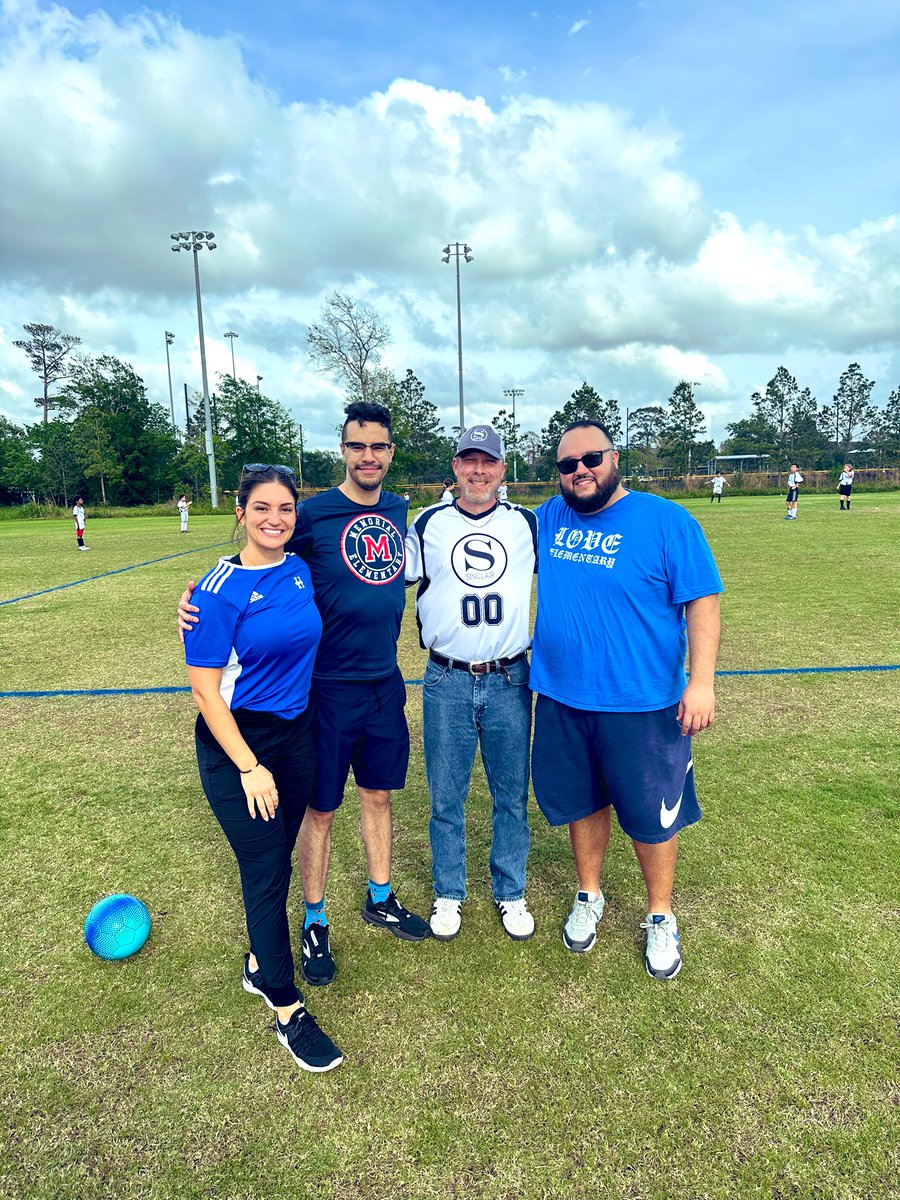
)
(255, 468)
(592, 458)
(361, 447)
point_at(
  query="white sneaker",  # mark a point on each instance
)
(517, 920)
(446, 918)
(662, 958)
(580, 930)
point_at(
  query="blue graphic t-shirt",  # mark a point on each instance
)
(610, 634)
(262, 626)
(355, 553)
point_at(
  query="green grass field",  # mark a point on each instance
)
(482, 1067)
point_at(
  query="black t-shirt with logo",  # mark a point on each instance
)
(355, 554)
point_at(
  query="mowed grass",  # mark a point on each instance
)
(478, 1068)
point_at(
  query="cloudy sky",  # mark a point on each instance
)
(653, 190)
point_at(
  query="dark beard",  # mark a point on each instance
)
(591, 504)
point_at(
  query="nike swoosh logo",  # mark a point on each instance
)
(668, 816)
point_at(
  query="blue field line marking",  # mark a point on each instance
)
(118, 571)
(812, 670)
(172, 691)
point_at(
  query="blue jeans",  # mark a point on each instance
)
(462, 711)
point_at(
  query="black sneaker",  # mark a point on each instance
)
(317, 965)
(312, 1049)
(390, 914)
(253, 982)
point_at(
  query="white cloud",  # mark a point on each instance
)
(578, 26)
(508, 75)
(594, 248)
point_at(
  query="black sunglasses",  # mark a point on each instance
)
(593, 458)
(254, 468)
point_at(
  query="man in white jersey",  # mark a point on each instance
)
(474, 561)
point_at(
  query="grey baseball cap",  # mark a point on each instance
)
(484, 438)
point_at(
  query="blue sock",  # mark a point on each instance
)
(315, 914)
(379, 891)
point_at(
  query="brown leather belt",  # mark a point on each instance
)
(474, 668)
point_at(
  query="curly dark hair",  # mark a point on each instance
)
(364, 411)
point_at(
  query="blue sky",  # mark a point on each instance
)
(654, 190)
(788, 112)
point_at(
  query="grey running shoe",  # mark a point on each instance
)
(580, 930)
(662, 958)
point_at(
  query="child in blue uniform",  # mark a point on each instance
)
(250, 665)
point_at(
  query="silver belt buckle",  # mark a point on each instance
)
(483, 666)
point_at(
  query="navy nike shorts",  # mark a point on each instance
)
(360, 724)
(581, 762)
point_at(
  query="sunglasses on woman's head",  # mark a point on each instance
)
(257, 468)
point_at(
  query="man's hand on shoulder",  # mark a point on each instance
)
(696, 708)
(186, 611)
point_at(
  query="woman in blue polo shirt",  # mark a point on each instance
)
(250, 663)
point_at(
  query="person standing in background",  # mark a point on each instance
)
(78, 514)
(183, 505)
(719, 483)
(794, 481)
(845, 486)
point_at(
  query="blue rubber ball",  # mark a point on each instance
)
(117, 926)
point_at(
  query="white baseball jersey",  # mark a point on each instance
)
(475, 576)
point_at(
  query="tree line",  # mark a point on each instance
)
(100, 435)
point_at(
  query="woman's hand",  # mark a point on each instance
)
(261, 792)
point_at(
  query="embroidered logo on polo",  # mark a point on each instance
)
(372, 547)
(478, 561)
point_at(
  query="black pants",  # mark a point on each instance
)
(263, 849)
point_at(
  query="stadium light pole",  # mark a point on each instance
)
(170, 338)
(514, 392)
(459, 250)
(693, 384)
(259, 380)
(231, 335)
(194, 241)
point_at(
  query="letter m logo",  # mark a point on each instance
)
(376, 548)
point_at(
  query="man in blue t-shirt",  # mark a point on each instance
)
(353, 538)
(626, 585)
